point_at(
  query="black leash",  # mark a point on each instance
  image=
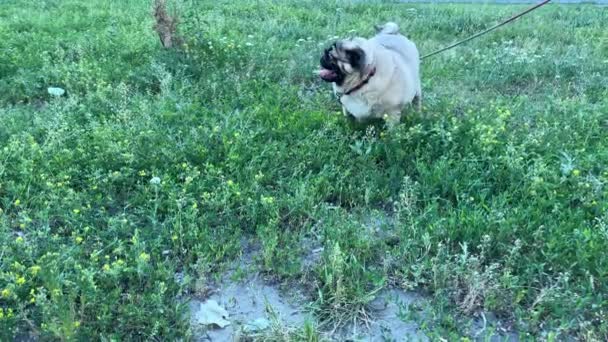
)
(488, 30)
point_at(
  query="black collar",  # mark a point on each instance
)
(360, 85)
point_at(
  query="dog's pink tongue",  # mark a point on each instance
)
(324, 73)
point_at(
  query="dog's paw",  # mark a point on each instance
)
(345, 112)
(392, 120)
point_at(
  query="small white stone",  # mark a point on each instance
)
(56, 91)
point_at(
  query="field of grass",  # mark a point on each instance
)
(155, 161)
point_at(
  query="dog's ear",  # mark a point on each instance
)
(356, 57)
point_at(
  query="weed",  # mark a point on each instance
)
(166, 25)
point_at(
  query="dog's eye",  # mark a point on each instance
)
(355, 57)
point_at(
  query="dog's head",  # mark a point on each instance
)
(343, 60)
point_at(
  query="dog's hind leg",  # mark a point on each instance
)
(418, 100)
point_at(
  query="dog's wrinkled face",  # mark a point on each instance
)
(340, 61)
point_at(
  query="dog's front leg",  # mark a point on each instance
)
(392, 119)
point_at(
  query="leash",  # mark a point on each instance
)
(487, 30)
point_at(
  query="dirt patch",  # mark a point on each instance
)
(256, 305)
(252, 302)
(487, 327)
(388, 321)
(249, 302)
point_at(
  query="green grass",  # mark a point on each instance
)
(497, 194)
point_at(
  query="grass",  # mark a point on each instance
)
(161, 161)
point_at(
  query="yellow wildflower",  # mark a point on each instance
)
(5, 293)
(259, 176)
(576, 172)
(35, 269)
(144, 257)
(267, 200)
(20, 281)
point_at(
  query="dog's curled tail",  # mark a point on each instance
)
(388, 28)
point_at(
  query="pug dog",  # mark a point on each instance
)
(376, 77)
